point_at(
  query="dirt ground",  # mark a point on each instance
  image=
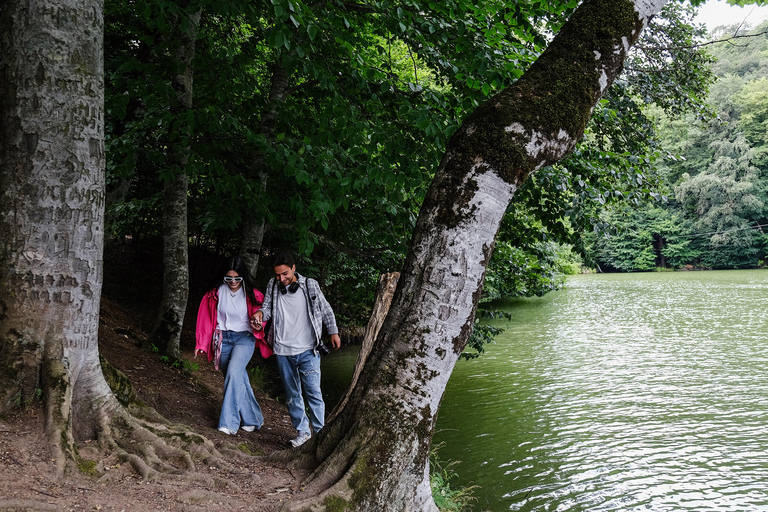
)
(28, 482)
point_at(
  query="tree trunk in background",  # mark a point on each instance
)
(254, 225)
(52, 214)
(166, 335)
(374, 455)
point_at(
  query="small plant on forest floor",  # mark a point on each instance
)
(87, 467)
(256, 376)
(184, 364)
(24, 404)
(265, 380)
(447, 499)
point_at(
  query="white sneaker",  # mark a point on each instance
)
(249, 428)
(301, 439)
(227, 431)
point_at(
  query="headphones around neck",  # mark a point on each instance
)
(293, 287)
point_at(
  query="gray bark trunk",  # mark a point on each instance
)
(52, 213)
(167, 332)
(374, 455)
(254, 225)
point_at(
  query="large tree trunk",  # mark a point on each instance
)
(52, 213)
(51, 236)
(167, 332)
(254, 225)
(374, 455)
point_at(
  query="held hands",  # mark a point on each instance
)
(256, 321)
(258, 325)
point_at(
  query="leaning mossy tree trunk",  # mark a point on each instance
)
(373, 456)
(52, 235)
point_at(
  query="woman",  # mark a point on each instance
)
(223, 319)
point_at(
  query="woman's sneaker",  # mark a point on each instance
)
(249, 428)
(227, 431)
(301, 439)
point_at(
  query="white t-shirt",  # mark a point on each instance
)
(293, 330)
(232, 312)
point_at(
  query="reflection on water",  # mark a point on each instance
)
(622, 392)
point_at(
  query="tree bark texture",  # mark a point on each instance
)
(52, 213)
(254, 225)
(51, 240)
(374, 455)
(167, 332)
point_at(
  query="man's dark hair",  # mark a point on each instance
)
(281, 258)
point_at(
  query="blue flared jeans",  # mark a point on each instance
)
(239, 403)
(302, 372)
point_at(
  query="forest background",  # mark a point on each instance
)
(324, 145)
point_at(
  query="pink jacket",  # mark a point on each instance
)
(206, 322)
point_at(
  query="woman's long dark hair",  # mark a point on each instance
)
(237, 264)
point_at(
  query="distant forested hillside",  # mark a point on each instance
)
(712, 175)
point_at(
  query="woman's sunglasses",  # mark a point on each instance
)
(233, 279)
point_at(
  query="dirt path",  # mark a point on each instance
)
(28, 482)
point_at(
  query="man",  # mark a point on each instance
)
(298, 310)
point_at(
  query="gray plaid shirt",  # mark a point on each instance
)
(320, 312)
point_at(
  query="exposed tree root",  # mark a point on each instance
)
(134, 433)
(156, 447)
(358, 467)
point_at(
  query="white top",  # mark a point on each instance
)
(293, 330)
(232, 312)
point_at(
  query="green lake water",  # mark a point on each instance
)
(621, 392)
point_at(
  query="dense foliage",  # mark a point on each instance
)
(327, 121)
(339, 165)
(714, 177)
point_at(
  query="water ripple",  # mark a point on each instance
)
(632, 392)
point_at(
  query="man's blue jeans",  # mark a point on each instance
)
(239, 402)
(299, 372)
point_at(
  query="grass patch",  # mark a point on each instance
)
(440, 475)
(249, 450)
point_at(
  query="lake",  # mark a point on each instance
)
(643, 391)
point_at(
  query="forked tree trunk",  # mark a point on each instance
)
(167, 332)
(52, 214)
(374, 455)
(385, 291)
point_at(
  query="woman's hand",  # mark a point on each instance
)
(256, 321)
